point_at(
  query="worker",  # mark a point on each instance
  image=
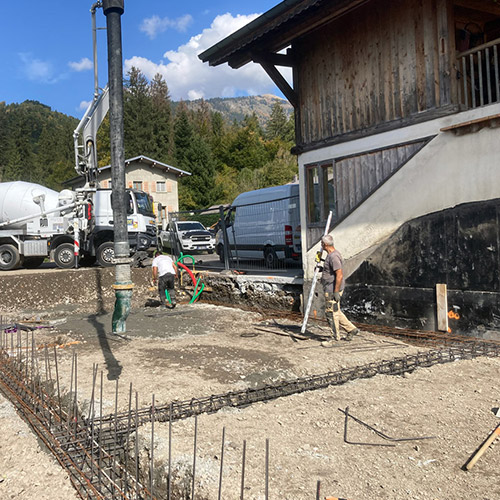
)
(164, 273)
(333, 282)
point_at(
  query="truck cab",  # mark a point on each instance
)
(141, 225)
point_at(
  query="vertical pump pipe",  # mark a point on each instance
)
(113, 9)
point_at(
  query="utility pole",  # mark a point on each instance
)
(113, 9)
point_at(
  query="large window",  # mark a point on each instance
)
(320, 193)
(160, 187)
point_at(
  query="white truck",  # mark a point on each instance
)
(72, 226)
(263, 224)
(187, 237)
(37, 222)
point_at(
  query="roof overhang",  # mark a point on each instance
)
(261, 40)
(275, 30)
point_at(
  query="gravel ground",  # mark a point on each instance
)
(199, 350)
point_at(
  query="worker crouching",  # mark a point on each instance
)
(164, 274)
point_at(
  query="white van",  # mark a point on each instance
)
(264, 224)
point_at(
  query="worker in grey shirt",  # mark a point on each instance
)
(333, 283)
(164, 273)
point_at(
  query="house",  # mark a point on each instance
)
(151, 176)
(397, 105)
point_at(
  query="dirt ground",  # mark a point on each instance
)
(199, 350)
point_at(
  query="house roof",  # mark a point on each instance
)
(152, 163)
(138, 159)
(275, 30)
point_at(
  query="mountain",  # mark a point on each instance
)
(236, 108)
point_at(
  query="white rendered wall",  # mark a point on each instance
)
(449, 171)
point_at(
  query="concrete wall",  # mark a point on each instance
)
(25, 293)
(449, 171)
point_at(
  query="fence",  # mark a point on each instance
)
(251, 237)
(478, 75)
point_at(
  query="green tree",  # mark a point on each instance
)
(183, 135)
(246, 147)
(279, 126)
(202, 185)
(137, 116)
(161, 118)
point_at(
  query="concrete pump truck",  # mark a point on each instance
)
(71, 227)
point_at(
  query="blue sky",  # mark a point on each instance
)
(47, 49)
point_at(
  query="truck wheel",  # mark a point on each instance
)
(105, 254)
(64, 256)
(9, 257)
(33, 262)
(270, 257)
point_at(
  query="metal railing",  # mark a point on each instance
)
(266, 237)
(478, 75)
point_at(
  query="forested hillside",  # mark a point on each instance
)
(36, 144)
(225, 157)
(236, 108)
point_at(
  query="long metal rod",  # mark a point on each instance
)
(243, 459)
(314, 280)
(221, 462)
(194, 455)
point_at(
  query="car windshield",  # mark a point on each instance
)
(190, 226)
(144, 205)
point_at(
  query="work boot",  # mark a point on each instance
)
(173, 304)
(351, 334)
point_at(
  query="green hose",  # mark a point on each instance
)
(196, 293)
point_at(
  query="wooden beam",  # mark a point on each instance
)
(281, 83)
(274, 59)
(444, 8)
(442, 307)
(491, 7)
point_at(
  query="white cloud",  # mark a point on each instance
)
(188, 78)
(83, 65)
(84, 105)
(37, 70)
(154, 25)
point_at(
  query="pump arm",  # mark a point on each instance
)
(85, 136)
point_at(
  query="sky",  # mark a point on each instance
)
(46, 49)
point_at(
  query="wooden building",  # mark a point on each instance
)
(397, 104)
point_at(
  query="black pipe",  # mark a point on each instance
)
(113, 9)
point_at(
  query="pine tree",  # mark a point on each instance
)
(161, 118)
(137, 116)
(183, 135)
(202, 187)
(279, 125)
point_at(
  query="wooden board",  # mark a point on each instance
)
(442, 307)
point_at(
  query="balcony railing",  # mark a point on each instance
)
(478, 75)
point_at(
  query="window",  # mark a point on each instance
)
(320, 192)
(137, 185)
(313, 211)
(160, 187)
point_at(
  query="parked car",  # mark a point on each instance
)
(264, 224)
(187, 237)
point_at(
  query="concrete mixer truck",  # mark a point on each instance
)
(69, 227)
(72, 226)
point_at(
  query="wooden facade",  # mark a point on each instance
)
(388, 60)
(341, 185)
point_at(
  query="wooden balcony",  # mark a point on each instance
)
(477, 72)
